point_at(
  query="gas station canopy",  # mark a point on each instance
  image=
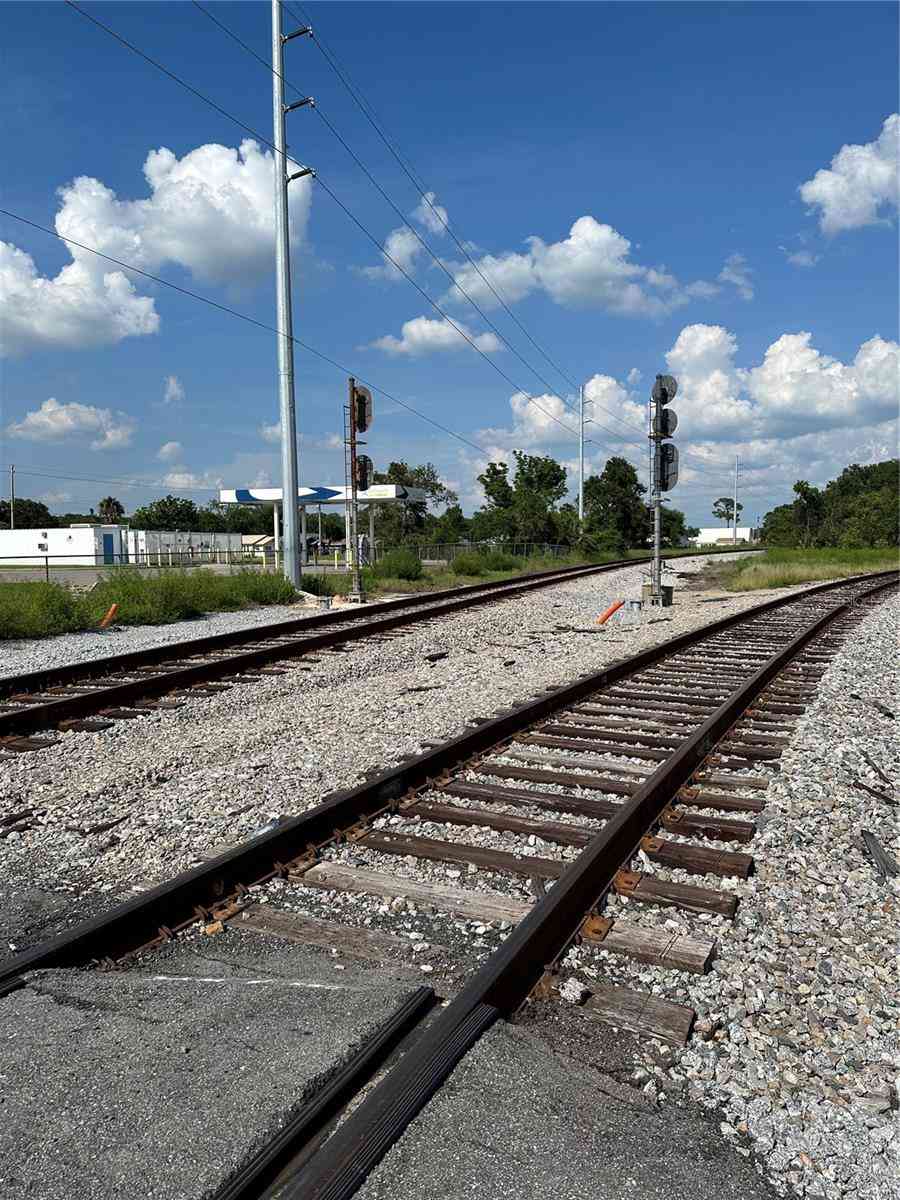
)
(378, 493)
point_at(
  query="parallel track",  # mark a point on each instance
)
(650, 754)
(91, 695)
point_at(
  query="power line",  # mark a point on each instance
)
(382, 192)
(243, 317)
(156, 485)
(423, 192)
(223, 112)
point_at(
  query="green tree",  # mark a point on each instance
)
(674, 529)
(809, 508)
(538, 475)
(495, 484)
(451, 526)
(524, 509)
(169, 513)
(857, 509)
(723, 509)
(779, 528)
(407, 520)
(29, 514)
(110, 510)
(615, 513)
(72, 518)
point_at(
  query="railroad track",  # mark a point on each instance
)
(90, 696)
(629, 778)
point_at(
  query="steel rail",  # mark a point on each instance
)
(47, 714)
(194, 894)
(506, 980)
(73, 672)
(428, 604)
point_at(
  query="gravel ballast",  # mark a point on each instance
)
(183, 782)
(796, 1056)
(798, 1041)
(37, 654)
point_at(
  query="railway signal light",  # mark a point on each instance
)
(362, 408)
(668, 466)
(664, 389)
(665, 422)
(364, 472)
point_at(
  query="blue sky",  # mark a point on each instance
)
(627, 175)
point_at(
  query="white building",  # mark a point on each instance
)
(77, 545)
(113, 545)
(723, 535)
(156, 547)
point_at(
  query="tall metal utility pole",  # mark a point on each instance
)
(734, 511)
(289, 470)
(581, 455)
(12, 496)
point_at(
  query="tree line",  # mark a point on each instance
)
(856, 510)
(525, 502)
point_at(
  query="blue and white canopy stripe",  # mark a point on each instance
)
(378, 493)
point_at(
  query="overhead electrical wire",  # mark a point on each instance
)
(265, 141)
(243, 317)
(616, 435)
(382, 192)
(262, 138)
(425, 194)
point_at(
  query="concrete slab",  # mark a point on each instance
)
(160, 1082)
(520, 1121)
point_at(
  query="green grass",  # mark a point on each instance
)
(42, 609)
(399, 564)
(30, 610)
(784, 568)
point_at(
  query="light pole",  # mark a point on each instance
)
(289, 468)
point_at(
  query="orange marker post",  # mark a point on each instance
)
(110, 616)
(613, 608)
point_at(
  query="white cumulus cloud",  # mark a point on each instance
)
(738, 274)
(796, 390)
(53, 421)
(182, 478)
(210, 212)
(170, 451)
(423, 335)
(404, 245)
(592, 267)
(800, 258)
(430, 214)
(86, 304)
(860, 185)
(173, 391)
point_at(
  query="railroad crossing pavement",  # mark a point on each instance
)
(539, 1110)
(160, 1083)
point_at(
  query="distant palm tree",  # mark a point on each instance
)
(110, 510)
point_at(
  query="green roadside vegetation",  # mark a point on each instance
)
(42, 609)
(39, 609)
(779, 567)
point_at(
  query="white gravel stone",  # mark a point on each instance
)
(192, 780)
(36, 654)
(798, 1039)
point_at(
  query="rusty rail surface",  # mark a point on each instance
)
(195, 894)
(337, 627)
